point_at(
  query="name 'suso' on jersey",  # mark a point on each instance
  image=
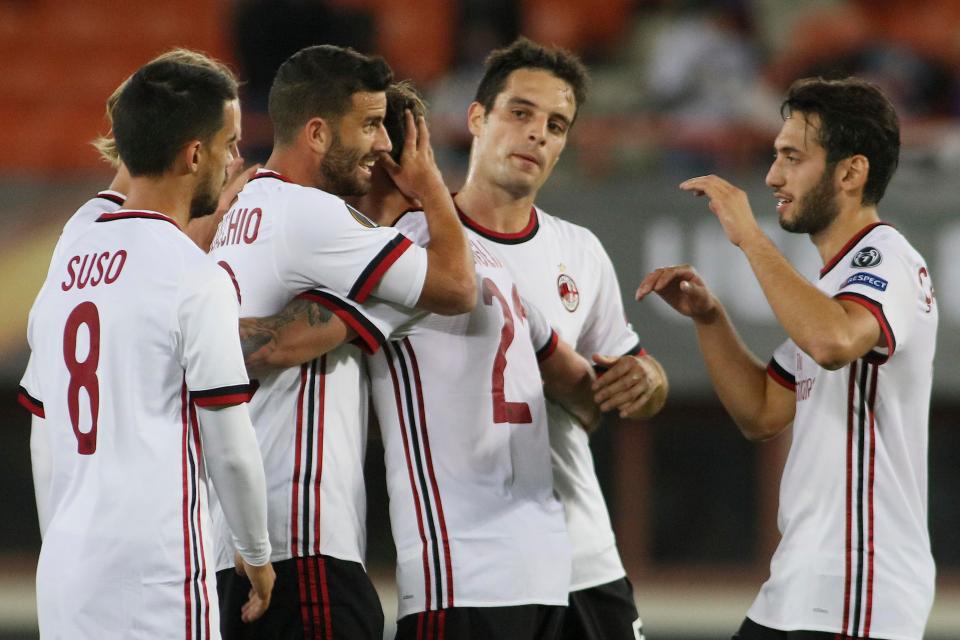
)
(564, 271)
(461, 410)
(127, 339)
(855, 553)
(280, 240)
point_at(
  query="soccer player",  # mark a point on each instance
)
(525, 105)
(481, 540)
(289, 232)
(137, 392)
(853, 377)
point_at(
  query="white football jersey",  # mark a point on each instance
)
(563, 270)
(855, 553)
(461, 411)
(280, 240)
(127, 337)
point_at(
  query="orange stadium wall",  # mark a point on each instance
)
(60, 60)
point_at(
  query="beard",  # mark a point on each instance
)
(817, 209)
(205, 201)
(338, 171)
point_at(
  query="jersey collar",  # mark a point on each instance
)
(503, 238)
(270, 173)
(113, 196)
(127, 214)
(849, 246)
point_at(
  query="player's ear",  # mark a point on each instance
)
(318, 134)
(853, 172)
(476, 115)
(190, 156)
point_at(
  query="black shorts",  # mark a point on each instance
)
(522, 622)
(750, 630)
(604, 612)
(314, 598)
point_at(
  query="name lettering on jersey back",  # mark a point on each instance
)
(93, 269)
(483, 257)
(804, 385)
(239, 225)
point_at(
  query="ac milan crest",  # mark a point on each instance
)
(569, 294)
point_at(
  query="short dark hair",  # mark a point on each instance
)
(165, 105)
(319, 81)
(855, 118)
(106, 146)
(400, 97)
(526, 54)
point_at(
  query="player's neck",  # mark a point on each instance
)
(847, 224)
(494, 208)
(292, 164)
(168, 196)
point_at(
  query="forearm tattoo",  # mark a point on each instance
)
(257, 333)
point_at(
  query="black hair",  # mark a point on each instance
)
(319, 81)
(855, 119)
(165, 105)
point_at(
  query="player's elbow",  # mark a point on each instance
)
(760, 429)
(460, 297)
(832, 352)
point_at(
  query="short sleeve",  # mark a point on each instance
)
(208, 316)
(606, 330)
(331, 244)
(29, 394)
(782, 365)
(542, 335)
(375, 322)
(889, 288)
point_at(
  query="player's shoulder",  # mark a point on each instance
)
(565, 228)
(89, 211)
(278, 190)
(881, 241)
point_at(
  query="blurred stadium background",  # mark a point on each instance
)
(681, 87)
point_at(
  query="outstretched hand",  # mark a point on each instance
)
(683, 289)
(728, 203)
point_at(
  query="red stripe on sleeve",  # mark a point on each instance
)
(784, 382)
(377, 274)
(224, 400)
(547, 350)
(876, 309)
(32, 405)
(367, 341)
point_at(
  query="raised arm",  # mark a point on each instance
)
(450, 285)
(832, 332)
(760, 407)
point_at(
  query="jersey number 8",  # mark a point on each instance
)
(83, 374)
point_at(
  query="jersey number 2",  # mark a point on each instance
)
(504, 411)
(83, 374)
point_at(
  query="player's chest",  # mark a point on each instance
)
(562, 284)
